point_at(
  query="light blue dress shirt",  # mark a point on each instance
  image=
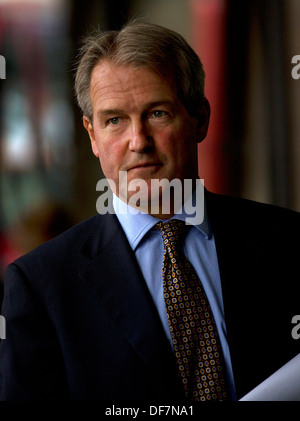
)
(199, 248)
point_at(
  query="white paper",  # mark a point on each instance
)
(283, 385)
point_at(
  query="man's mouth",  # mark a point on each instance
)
(145, 165)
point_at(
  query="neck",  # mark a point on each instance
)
(163, 203)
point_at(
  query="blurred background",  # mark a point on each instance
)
(48, 173)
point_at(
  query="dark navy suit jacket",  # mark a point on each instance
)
(81, 323)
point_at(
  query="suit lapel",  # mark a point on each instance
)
(249, 294)
(233, 250)
(114, 276)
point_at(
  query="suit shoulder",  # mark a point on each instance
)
(240, 211)
(65, 246)
(238, 203)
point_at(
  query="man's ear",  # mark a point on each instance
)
(203, 117)
(90, 129)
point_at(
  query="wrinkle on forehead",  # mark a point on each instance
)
(111, 84)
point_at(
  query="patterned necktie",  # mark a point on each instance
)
(194, 334)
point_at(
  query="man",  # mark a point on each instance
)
(87, 314)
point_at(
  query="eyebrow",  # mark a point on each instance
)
(110, 111)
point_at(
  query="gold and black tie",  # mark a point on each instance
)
(194, 334)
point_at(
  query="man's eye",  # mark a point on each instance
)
(114, 120)
(159, 113)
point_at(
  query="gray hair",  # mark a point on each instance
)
(142, 44)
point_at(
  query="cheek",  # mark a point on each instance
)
(173, 144)
(166, 141)
(110, 156)
(182, 151)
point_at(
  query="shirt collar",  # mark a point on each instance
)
(136, 223)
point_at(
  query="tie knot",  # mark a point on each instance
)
(171, 231)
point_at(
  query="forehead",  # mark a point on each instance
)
(110, 82)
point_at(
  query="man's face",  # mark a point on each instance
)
(140, 126)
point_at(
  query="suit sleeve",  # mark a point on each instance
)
(31, 366)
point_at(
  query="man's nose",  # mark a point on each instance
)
(140, 137)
